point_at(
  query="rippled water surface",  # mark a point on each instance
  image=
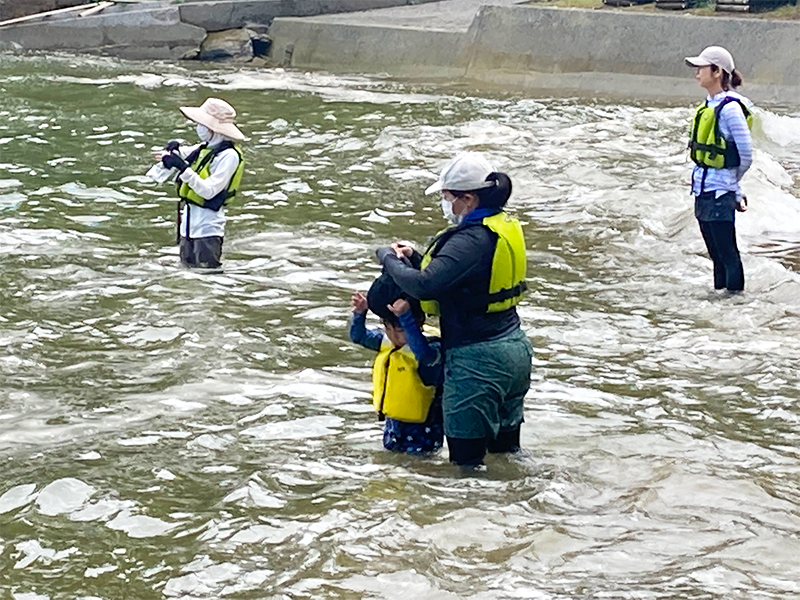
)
(171, 434)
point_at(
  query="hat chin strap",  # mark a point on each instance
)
(217, 138)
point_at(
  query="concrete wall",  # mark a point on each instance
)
(613, 53)
(218, 15)
(341, 47)
(160, 30)
(516, 40)
(152, 33)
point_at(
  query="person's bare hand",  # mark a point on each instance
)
(742, 206)
(399, 307)
(402, 249)
(358, 302)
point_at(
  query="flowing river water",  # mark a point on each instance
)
(169, 434)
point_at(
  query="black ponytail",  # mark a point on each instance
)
(736, 79)
(729, 80)
(497, 195)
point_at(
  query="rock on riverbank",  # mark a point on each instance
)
(152, 30)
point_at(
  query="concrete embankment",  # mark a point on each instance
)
(163, 30)
(586, 51)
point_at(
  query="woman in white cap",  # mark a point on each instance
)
(722, 150)
(473, 276)
(209, 175)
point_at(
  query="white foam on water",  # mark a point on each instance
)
(220, 469)
(145, 440)
(236, 399)
(254, 494)
(63, 496)
(95, 572)
(34, 551)
(203, 578)
(17, 496)
(267, 534)
(210, 442)
(165, 474)
(140, 526)
(783, 130)
(183, 405)
(298, 429)
(101, 510)
(91, 455)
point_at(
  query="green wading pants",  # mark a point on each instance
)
(485, 386)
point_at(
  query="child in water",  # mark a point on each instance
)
(408, 371)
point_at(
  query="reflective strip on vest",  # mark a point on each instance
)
(203, 163)
(707, 147)
(397, 390)
(509, 264)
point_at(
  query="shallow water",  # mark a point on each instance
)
(165, 433)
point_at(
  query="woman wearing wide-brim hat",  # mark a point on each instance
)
(209, 176)
(722, 149)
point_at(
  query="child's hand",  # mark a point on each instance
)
(399, 307)
(358, 302)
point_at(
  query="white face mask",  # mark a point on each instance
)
(447, 211)
(204, 133)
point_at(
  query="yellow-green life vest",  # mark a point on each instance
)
(509, 264)
(707, 147)
(397, 390)
(202, 166)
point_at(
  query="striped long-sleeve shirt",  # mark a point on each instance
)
(733, 127)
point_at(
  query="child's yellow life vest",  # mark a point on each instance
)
(397, 390)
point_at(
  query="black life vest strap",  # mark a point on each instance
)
(211, 155)
(508, 293)
(731, 152)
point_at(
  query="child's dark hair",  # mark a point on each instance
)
(494, 196)
(383, 292)
(729, 80)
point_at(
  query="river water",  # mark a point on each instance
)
(171, 434)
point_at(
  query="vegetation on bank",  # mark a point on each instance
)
(705, 8)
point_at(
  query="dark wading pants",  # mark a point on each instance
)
(716, 217)
(204, 252)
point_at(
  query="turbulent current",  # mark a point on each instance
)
(169, 434)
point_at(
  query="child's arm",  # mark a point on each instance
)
(428, 354)
(415, 339)
(359, 334)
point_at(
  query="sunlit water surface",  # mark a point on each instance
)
(165, 433)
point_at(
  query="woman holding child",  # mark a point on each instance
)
(472, 276)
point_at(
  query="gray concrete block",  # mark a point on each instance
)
(218, 15)
(140, 52)
(52, 36)
(143, 28)
(148, 27)
(545, 40)
(345, 48)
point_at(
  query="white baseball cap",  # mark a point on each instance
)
(466, 172)
(713, 55)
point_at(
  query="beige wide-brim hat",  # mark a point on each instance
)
(215, 114)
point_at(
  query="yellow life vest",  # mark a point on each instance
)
(707, 147)
(202, 166)
(397, 390)
(509, 264)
